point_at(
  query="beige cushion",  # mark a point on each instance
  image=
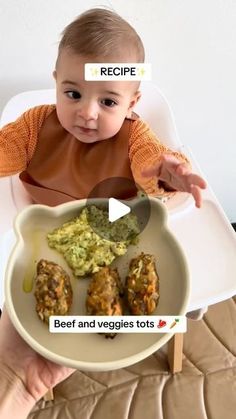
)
(204, 389)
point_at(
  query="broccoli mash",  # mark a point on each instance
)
(86, 251)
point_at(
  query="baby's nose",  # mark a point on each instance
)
(88, 111)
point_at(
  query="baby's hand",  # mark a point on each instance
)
(178, 176)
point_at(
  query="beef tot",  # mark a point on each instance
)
(142, 285)
(104, 295)
(53, 291)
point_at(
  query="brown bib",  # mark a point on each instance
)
(63, 169)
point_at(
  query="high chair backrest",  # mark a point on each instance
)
(152, 108)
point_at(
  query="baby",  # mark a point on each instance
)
(63, 151)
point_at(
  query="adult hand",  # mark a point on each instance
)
(18, 362)
(177, 176)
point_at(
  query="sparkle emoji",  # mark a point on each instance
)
(141, 72)
(94, 71)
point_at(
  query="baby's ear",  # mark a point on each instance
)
(54, 74)
(132, 104)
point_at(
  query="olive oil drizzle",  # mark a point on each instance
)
(30, 274)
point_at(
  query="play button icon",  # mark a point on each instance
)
(116, 209)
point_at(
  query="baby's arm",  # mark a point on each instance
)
(18, 140)
(159, 170)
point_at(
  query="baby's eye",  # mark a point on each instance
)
(108, 102)
(73, 94)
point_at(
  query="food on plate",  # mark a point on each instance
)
(142, 285)
(124, 229)
(53, 291)
(84, 250)
(104, 295)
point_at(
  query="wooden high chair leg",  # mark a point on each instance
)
(49, 395)
(175, 352)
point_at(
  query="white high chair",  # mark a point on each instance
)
(206, 234)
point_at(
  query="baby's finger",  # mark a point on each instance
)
(196, 193)
(197, 180)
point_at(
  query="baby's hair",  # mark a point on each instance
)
(102, 33)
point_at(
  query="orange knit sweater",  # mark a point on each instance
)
(19, 139)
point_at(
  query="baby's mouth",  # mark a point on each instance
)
(86, 130)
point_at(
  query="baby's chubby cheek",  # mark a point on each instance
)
(64, 119)
(110, 128)
(108, 132)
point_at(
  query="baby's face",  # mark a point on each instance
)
(90, 110)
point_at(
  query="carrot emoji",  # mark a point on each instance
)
(174, 323)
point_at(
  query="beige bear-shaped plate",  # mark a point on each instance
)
(90, 351)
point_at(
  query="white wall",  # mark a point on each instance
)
(191, 45)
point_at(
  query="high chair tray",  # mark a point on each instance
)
(209, 243)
